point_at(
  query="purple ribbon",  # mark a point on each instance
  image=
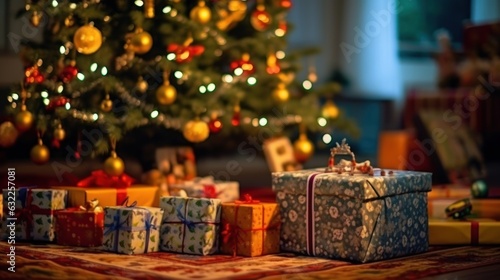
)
(311, 243)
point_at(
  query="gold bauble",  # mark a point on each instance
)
(59, 133)
(196, 131)
(87, 39)
(141, 42)
(23, 119)
(114, 166)
(303, 148)
(330, 110)
(69, 21)
(106, 105)
(8, 134)
(201, 13)
(166, 94)
(40, 154)
(142, 85)
(281, 93)
(36, 18)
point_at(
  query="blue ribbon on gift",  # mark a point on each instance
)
(183, 218)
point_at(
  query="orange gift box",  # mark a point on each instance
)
(250, 228)
(482, 207)
(75, 227)
(449, 191)
(463, 232)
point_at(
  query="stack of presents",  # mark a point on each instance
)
(347, 210)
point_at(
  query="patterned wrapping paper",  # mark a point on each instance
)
(75, 227)
(190, 225)
(250, 228)
(488, 208)
(208, 188)
(35, 211)
(144, 195)
(464, 232)
(356, 217)
(131, 230)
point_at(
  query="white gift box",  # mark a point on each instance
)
(207, 187)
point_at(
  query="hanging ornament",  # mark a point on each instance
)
(196, 131)
(479, 189)
(215, 125)
(69, 72)
(282, 28)
(69, 21)
(8, 134)
(234, 13)
(87, 39)
(236, 118)
(285, 4)
(281, 93)
(142, 85)
(303, 148)
(114, 165)
(59, 133)
(185, 52)
(36, 18)
(55, 102)
(201, 13)
(23, 119)
(247, 67)
(166, 93)
(106, 104)
(272, 64)
(40, 154)
(139, 42)
(33, 76)
(149, 8)
(330, 110)
(312, 76)
(260, 18)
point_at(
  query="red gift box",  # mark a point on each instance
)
(75, 227)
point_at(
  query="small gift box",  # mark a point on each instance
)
(464, 232)
(488, 208)
(110, 191)
(250, 228)
(207, 187)
(131, 229)
(34, 210)
(190, 225)
(82, 226)
(449, 192)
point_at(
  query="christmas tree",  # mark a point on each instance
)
(200, 69)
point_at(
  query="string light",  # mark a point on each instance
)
(93, 67)
(238, 71)
(15, 96)
(263, 121)
(211, 87)
(322, 121)
(307, 84)
(251, 81)
(46, 101)
(62, 49)
(154, 114)
(178, 74)
(104, 71)
(139, 3)
(280, 54)
(44, 94)
(227, 79)
(171, 56)
(327, 138)
(72, 6)
(80, 76)
(167, 9)
(202, 89)
(67, 106)
(95, 116)
(60, 88)
(55, 3)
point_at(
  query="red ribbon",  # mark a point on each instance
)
(99, 178)
(26, 213)
(474, 232)
(247, 200)
(209, 191)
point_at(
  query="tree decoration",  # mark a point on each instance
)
(106, 104)
(142, 85)
(185, 52)
(272, 64)
(196, 131)
(281, 93)
(149, 8)
(87, 39)
(201, 13)
(59, 133)
(36, 18)
(285, 4)
(114, 165)
(479, 189)
(69, 21)
(236, 118)
(33, 76)
(69, 72)
(234, 13)
(8, 134)
(23, 119)
(312, 76)
(330, 110)
(139, 42)
(215, 125)
(260, 18)
(303, 148)
(58, 101)
(166, 93)
(40, 154)
(244, 64)
(282, 28)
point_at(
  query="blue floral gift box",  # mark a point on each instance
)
(358, 217)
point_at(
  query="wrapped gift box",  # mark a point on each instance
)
(449, 191)
(208, 188)
(482, 207)
(190, 225)
(35, 212)
(464, 232)
(358, 217)
(131, 230)
(107, 196)
(250, 228)
(82, 228)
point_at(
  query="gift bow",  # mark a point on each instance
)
(247, 199)
(99, 178)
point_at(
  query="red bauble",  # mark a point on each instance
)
(185, 53)
(69, 73)
(55, 102)
(56, 143)
(33, 75)
(215, 125)
(260, 19)
(245, 64)
(235, 119)
(286, 4)
(283, 26)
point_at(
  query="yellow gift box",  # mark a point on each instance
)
(484, 208)
(143, 194)
(463, 232)
(449, 191)
(250, 228)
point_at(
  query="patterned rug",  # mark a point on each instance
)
(57, 262)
